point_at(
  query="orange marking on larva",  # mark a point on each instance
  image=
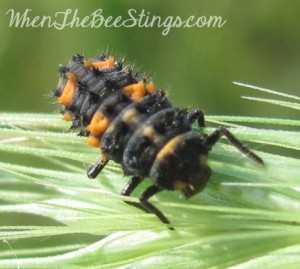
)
(130, 116)
(136, 91)
(88, 64)
(69, 90)
(150, 87)
(98, 124)
(179, 185)
(93, 141)
(109, 63)
(68, 116)
(150, 132)
(169, 148)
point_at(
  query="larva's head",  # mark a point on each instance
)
(182, 165)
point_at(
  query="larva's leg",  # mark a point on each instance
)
(148, 193)
(94, 170)
(222, 131)
(129, 188)
(198, 115)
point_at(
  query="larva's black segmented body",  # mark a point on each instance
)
(138, 127)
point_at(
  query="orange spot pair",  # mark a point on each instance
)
(150, 87)
(138, 90)
(97, 127)
(68, 116)
(98, 124)
(109, 63)
(93, 141)
(69, 90)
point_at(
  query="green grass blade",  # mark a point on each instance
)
(53, 216)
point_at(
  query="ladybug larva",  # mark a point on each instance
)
(138, 127)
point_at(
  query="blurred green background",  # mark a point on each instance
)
(259, 44)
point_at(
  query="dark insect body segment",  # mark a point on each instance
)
(138, 127)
